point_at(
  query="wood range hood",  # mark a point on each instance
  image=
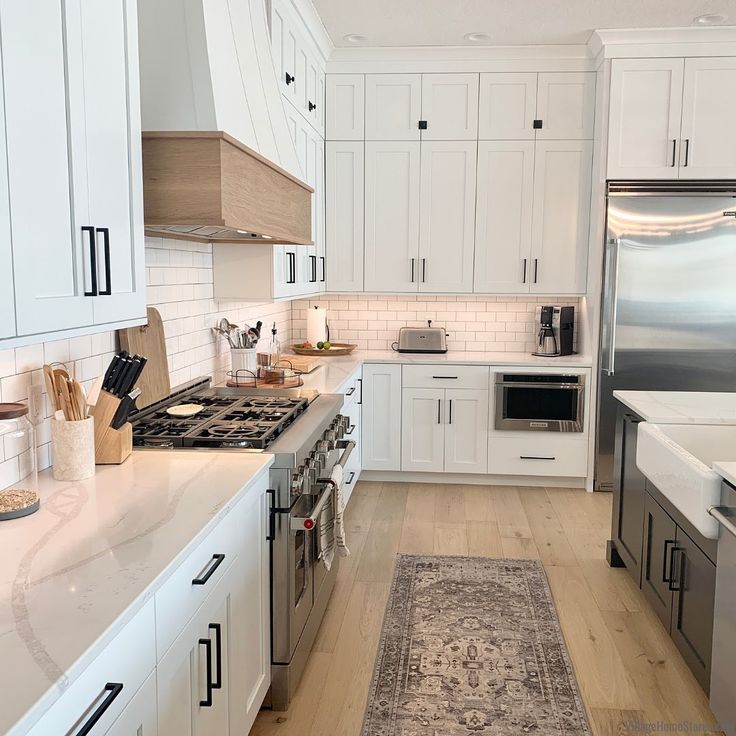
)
(209, 187)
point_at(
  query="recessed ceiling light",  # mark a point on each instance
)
(709, 19)
(477, 37)
(355, 38)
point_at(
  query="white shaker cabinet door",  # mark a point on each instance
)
(508, 104)
(466, 431)
(503, 229)
(393, 106)
(562, 181)
(391, 216)
(51, 262)
(345, 107)
(447, 216)
(644, 125)
(450, 107)
(708, 148)
(381, 417)
(108, 124)
(284, 45)
(565, 105)
(7, 293)
(345, 201)
(423, 429)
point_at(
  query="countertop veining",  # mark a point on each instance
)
(77, 570)
(681, 407)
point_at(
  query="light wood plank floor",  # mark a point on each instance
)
(626, 665)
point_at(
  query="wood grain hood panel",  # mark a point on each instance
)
(209, 187)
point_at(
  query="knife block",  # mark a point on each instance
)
(112, 446)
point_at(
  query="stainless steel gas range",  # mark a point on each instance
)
(305, 432)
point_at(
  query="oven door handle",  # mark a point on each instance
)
(347, 447)
(307, 523)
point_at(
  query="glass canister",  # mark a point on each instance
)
(19, 438)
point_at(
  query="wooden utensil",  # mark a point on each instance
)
(48, 376)
(79, 399)
(148, 340)
(62, 385)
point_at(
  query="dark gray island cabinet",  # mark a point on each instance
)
(672, 563)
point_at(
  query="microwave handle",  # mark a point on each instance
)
(610, 306)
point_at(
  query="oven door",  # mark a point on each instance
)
(540, 402)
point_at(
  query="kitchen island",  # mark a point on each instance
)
(76, 573)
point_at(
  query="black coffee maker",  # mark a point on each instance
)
(556, 331)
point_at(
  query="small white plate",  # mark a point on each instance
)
(184, 410)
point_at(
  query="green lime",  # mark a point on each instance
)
(320, 345)
(326, 346)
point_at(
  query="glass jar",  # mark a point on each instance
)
(19, 437)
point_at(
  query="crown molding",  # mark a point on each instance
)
(687, 41)
(313, 22)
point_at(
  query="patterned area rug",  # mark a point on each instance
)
(472, 645)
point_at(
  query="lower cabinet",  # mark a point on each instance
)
(381, 417)
(353, 410)
(444, 430)
(679, 580)
(139, 717)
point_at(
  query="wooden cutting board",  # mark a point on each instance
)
(148, 341)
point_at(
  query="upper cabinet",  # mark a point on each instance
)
(672, 119)
(85, 265)
(449, 107)
(345, 109)
(393, 107)
(544, 106)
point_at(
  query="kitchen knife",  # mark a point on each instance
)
(113, 370)
(140, 363)
(123, 384)
(127, 404)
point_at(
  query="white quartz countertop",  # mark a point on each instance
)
(681, 407)
(726, 470)
(72, 574)
(333, 372)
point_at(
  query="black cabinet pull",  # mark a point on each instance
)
(217, 682)
(424, 270)
(412, 270)
(216, 562)
(439, 411)
(290, 78)
(360, 397)
(107, 291)
(536, 269)
(665, 566)
(536, 457)
(350, 429)
(446, 378)
(350, 479)
(674, 152)
(450, 420)
(312, 106)
(675, 584)
(92, 259)
(324, 271)
(350, 391)
(290, 267)
(523, 277)
(207, 643)
(113, 689)
(537, 124)
(687, 150)
(313, 269)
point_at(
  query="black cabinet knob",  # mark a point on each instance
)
(312, 106)
(290, 78)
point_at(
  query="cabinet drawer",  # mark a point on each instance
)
(538, 455)
(352, 392)
(180, 596)
(445, 376)
(111, 680)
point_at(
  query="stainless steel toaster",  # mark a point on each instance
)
(422, 339)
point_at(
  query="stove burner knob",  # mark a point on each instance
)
(297, 481)
(323, 446)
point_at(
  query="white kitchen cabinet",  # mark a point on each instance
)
(447, 216)
(450, 107)
(345, 107)
(393, 107)
(708, 119)
(381, 417)
(7, 290)
(503, 229)
(284, 49)
(73, 153)
(562, 185)
(466, 431)
(423, 429)
(508, 104)
(644, 124)
(193, 678)
(547, 454)
(345, 165)
(140, 715)
(565, 105)
(392, 215)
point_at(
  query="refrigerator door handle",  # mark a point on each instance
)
(613, 246)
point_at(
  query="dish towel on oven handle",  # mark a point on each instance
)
(332, 528)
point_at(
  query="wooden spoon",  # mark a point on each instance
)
(48, 375)
(61, 378)
(79, 399)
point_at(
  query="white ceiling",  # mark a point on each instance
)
(509, 22)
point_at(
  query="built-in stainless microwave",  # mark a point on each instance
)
(546, 402)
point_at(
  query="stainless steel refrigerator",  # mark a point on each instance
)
(669, 297)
